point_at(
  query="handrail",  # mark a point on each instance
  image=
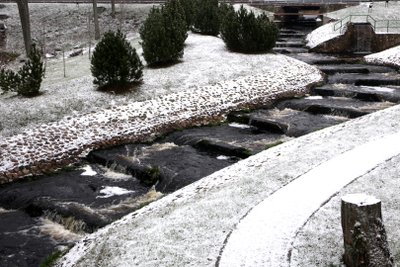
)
(376, 24)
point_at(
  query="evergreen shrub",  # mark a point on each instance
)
(115, 61)
(243, 32)
(28, 79)
(163, 34)
(207, 17)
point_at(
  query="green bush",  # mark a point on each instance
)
(189, 11)
(163, 34)
(206, 19)
(115, 61)
(28, 79)
(244, 32)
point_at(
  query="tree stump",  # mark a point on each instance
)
(364, 234)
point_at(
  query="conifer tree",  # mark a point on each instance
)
(206, 19)
(28, 79)
(115, 61)
(243, 32)
(163, 34)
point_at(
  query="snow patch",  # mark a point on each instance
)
(387, 57)
(109, 191)
(314, 97)
(380, 89)
(360, 199)
(88, 171)
(223, 157)
(239, 125)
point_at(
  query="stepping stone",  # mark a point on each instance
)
(290, 35)
(322, 59)
(289, 44)
(289, 50)
(372, 79)
(338, 106)
(173, 166)
(366, 93)
(343, 68)
(292, 122)
(354, 68)
(233, 139)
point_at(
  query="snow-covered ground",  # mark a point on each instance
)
(389, 57)
(191, 226)
(379, 12)
(206, 61)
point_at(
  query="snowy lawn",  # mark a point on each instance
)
(379, 13)
(206, 61)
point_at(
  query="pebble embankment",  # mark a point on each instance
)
(50, 146)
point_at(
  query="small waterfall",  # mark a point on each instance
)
(133, 203)
(58, 232)
(69, 224)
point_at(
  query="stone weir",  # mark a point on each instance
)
(51, 146)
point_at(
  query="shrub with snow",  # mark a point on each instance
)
(164, 33)
(243, 32)
(27, 80)
(115, 61)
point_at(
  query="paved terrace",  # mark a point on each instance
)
(47, 147)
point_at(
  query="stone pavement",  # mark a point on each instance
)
(202, 224)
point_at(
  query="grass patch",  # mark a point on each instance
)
(277, 143)
(52, 258)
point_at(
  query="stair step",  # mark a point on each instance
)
(351, 108)
(291, 122)
(372, 79)
(365, 93)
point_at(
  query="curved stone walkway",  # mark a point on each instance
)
(50, 146)
(264, 237)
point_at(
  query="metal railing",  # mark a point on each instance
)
(377, 25)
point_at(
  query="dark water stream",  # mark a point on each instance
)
(49, 213)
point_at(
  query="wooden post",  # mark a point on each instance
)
(364, 234)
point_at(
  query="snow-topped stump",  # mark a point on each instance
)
(364, 234)
(50, 146)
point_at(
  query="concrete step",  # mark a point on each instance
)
(365, 93)
(291, 35)
(338, 106)
(236, 139)
(372, 79)
(291, 122)
(289, 50)
(323, 59)
(353, 68)
(289, 44)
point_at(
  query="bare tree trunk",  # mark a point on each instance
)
(25, 23)
(364, 234)
(113, 9)
(96, 21)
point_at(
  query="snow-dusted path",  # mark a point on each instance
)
(264, 236)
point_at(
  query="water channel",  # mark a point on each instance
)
(43, 214)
